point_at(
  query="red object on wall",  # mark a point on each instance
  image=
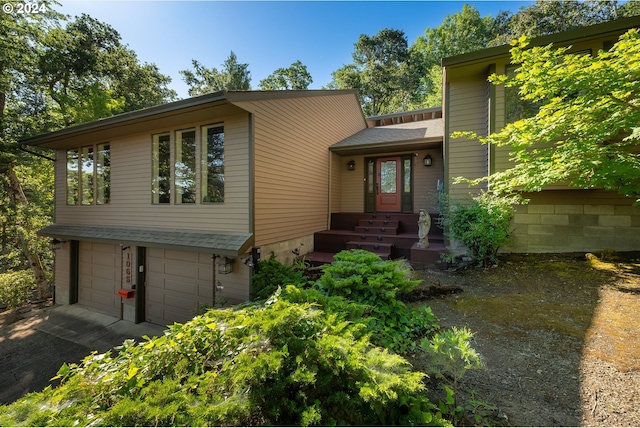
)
(126, 294)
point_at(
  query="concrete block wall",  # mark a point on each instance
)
(558, 228)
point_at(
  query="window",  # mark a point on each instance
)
(161, 169)
(88, 176)
(73, 185)
(185, 167)
(515, 107)
(185, 171)
(87, 171)
(212, 155)
(407, 175)
(103, 174)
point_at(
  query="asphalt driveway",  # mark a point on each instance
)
(33, 349)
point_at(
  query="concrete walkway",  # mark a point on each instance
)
(33, 349)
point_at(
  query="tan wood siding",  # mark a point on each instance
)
(468, 112)
(291, 148)
(131, 187)
(352, 184)
(336, 186)
(425, 180)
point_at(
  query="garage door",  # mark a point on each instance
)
(178, 284)
(99, 277)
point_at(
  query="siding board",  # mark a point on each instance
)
(291, 146)
(131, 187)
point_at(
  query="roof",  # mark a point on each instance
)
(220, 243)
(393, 136)
(596, 30)
(220, 98)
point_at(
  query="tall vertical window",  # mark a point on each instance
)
(88, 175)
(515, 107)
(212, 161)
(103, 174)
(407, 175)
(73, 183)
(161, 169)
(185, 167)
(87, 171)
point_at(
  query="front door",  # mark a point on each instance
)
(389, 184)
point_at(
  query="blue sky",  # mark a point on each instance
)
(267, 35)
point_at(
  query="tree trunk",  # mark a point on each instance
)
(16, 196)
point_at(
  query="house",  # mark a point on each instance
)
(559, 218)
(173, 199)
(163, 210)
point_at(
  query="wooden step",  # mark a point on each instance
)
(374, 230)
(381, 249)
(379, 223)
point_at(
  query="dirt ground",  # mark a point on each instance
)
(559, 336)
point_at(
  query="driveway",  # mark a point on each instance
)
(33, 349)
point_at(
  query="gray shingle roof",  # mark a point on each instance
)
(427, 130)
(220, 243)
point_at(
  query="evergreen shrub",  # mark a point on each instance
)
(279, 363)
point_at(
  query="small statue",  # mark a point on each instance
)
(424, 224)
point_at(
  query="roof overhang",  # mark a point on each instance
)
(195, 109)
(230, 244)
(393, 138)
(612, 28)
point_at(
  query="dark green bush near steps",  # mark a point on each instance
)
(482, 225)
(270, 275)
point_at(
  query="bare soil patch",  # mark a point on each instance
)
(559, 336)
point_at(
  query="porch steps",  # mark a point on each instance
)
(390, 235)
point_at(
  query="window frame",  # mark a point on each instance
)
(185, 193)
(81, 187)
(204, 165)
(196, 169)
(158, 198)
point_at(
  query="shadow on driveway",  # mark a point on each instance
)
(33, 349)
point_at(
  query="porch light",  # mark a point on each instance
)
(351, 165)
(55, 244)
(427, 160)
(225, 265)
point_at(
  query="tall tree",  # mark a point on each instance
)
(548, 17)
(462, 32)
(20, 37)
(587, 130)
(53, 76)
(295, 76)
(232, 76)
(382, 71)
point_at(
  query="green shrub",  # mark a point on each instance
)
(16, 288)
(450, 354)
(271, 274)
(366, 279)
(280, 363)
(483, 225)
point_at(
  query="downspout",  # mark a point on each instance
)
(491, 125)
(213, 299)
(329, 190)
(252, 195)
(445, 143)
